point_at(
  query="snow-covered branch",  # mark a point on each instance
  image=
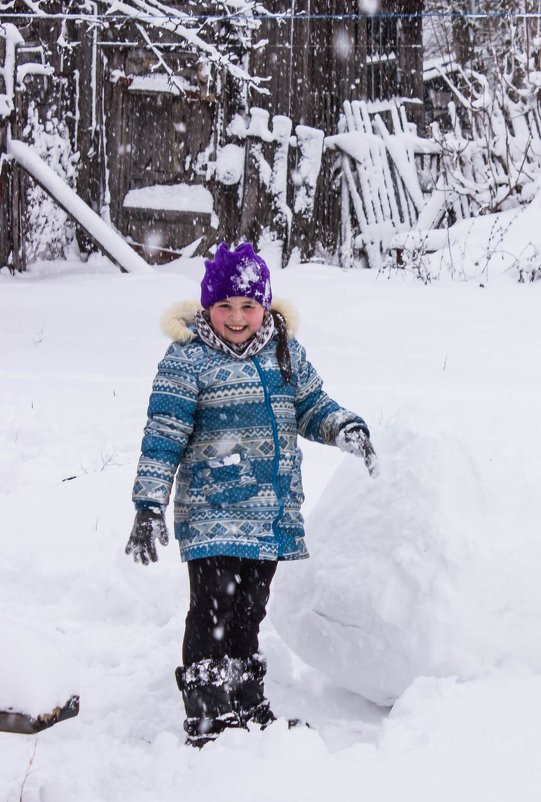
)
(180, 25)
(197, 31)
(34, 7)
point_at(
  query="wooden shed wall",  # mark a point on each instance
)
(317, 62)
(314, 63)
(128, 140)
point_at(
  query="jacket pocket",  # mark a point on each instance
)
(225, 480)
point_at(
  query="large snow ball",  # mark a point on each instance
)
(430, 570)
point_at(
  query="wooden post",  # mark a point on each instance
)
(274, 61)
(301, 77)
(410, 58)
(117, 137)
(5, 227)
(256, 196)
(88, 175)
(309, 155)
(16, 189)
(18, 198)
(226, 204)
(5, 206)
(281, 213)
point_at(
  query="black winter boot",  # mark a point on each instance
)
(249, 691)
(249, 699)
(206, 690)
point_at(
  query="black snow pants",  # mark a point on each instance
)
(228, 601)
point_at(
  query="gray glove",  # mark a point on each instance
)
(353, 439)
(149, 524)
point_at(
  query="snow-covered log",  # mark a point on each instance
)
(111, 243)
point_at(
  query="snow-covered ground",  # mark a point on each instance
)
(447, 373)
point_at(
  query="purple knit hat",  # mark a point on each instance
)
(239, 273)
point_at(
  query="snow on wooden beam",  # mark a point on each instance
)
(25, 724)
(36, 679)
(107, 240)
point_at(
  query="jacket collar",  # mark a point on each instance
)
(177, 321)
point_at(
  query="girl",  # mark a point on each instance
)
(231, 395)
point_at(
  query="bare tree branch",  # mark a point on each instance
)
(155, 15)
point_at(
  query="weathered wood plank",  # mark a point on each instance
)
(410, 57)
(117, 137)
(161, 234)
(256, 198)
(89, 168)
(18, 193)
(24, 724)
(5, 194)
(274, 62)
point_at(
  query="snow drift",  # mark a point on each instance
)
(431, 570)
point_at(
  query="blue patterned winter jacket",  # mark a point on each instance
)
(227, 429)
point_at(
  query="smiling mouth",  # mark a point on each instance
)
(236, 329)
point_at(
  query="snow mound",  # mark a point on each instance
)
(430, 570)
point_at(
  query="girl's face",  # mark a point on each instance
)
(236, 319)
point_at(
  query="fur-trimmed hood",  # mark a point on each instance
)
(177, 319)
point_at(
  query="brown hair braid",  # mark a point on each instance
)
(282, 348)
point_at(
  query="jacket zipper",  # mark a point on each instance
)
(274, 426)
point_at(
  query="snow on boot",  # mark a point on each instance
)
(248, 690)
(206, 690)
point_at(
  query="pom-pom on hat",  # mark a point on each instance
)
(240, 273)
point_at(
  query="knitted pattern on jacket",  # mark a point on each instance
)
(227, 428)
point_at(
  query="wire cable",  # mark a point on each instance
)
(285, 17)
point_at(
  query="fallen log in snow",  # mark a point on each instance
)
(105, 237)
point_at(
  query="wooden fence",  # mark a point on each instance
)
(281, 174)
(373, 188)
(400, 191)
